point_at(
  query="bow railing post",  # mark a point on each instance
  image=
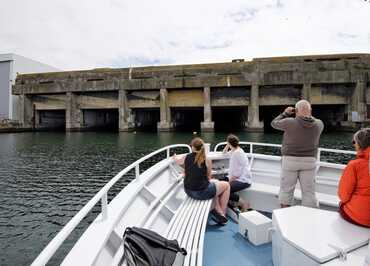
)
(137, 171)
(104, 206)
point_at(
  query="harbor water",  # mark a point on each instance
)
(46, 177)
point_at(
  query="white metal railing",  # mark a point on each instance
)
(252, 144)
(102, 196)
(333, 151)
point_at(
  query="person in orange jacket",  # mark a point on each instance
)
(354, 185)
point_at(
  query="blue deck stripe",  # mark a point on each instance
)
(225, 246)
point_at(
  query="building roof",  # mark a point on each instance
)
(6, 57)
(15, 57)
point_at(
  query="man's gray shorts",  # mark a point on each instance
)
(303, 169)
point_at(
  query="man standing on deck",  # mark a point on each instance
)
(299, 151)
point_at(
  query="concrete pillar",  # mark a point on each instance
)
(207, 125)
(26, 111)
(165, 124)
(73, 113)
(306, 92)
(126, 122)
(254, 124)
(357, 108)
(358, 102)
(37, 119)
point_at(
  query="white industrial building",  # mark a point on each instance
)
(10, 66)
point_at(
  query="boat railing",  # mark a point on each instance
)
(101, 196)
(253, 144)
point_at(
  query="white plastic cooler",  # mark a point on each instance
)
(255, 226)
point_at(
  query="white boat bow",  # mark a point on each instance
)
(155, 199)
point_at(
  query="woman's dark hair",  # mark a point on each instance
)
(233, 140)
(198, 145)
(362, 138)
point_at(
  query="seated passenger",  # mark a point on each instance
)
(198, 182)
(239, 175)
(354, 185)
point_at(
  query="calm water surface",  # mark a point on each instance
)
(45, 178)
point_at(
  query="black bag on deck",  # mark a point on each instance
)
(143, 247)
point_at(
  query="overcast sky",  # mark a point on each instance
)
(82, 34)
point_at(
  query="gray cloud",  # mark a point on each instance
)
(279, 4)
(138, 61)
(212, 45)
(243, 15)
(346, 35)
(173, 44)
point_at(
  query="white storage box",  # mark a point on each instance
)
(255, 226)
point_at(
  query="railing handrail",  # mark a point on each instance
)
(248, 143)
(58, 240)
(337, 151)
(251, 144)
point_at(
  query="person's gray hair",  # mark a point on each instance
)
(362, 138)
(303, 106)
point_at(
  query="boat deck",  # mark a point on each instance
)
(224, 243)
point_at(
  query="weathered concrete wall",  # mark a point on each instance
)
(49, 101)
(165, 123)
(185, 98)
(322, 79)
(73, 113)
(331, 93)
(125, 117)
(207, 124)
(96, 100)
(143, 99)
(234, 96)
(26, 111)
(279, 94)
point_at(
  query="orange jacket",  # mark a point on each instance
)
(354, 188)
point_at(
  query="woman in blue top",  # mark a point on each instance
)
(198, 182)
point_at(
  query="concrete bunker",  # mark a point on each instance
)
(50, 119)
(146, 119)
(229, 119)
(187, 118)
(100, 119)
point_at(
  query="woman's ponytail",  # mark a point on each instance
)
(200, 156)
